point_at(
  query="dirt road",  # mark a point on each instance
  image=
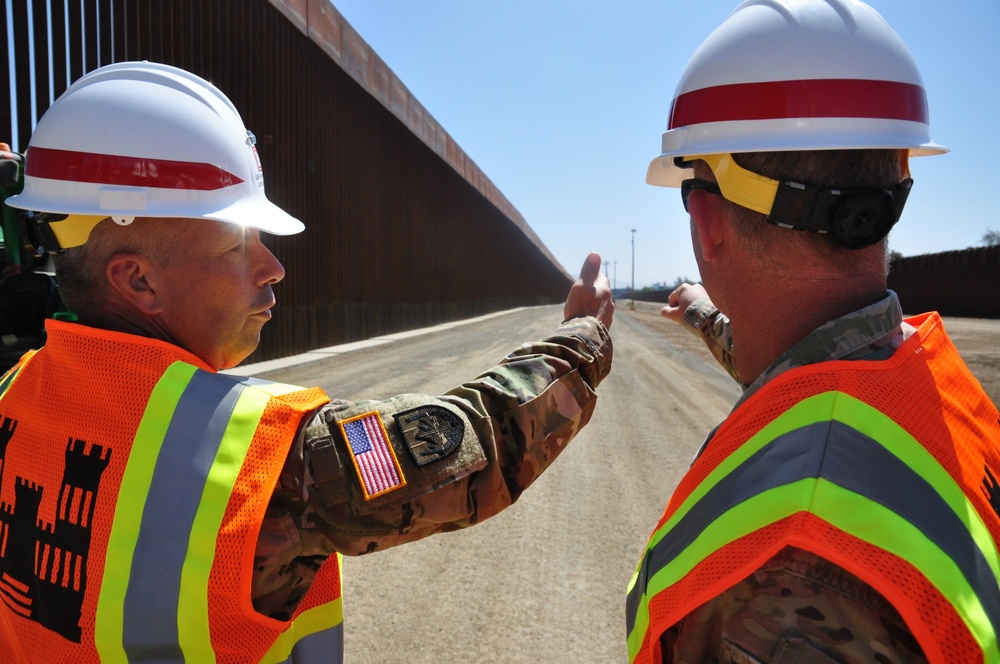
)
(545, 580)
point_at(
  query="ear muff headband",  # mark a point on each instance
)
(853, 218)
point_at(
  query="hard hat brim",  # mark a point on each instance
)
(253, 212)
(784, 135)
(260, 214)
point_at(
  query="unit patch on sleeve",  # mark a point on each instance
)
(431, 432)
(418, 445)
(373, 457)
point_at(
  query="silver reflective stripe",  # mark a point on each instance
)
(188, 452)
(325, 647)
(834, 451)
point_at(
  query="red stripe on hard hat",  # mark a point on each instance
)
(128, 171)
(819, 98)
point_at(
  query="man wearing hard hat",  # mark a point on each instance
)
(167, 512)
(846, 510)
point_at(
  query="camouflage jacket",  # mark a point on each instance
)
(798, 607)
(447, 462)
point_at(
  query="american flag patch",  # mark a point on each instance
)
(373, 456)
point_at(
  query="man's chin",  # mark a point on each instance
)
(236, 355)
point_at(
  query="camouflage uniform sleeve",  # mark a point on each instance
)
(703, 319)
(796, 608)
(448, 462)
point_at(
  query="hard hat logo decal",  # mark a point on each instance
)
(252, 142)
(126, 171)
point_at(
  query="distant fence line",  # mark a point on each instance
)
(963, 283)
(954, 283)
(402, 229)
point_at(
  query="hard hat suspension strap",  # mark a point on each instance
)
(46, 233)
(853, 218)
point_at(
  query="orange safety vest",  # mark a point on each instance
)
(133, 481)
(887, 469)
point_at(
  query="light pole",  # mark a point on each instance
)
(614, 284)
(633, 270)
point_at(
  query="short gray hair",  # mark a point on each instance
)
(80, 271)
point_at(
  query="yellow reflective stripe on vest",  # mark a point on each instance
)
(193, 635)
(844, 509)
(873, 523)
(837, 406)
(188, 451)
(108, 623)
(273, 389)
(8, 378)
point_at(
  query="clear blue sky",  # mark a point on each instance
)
(562, 103)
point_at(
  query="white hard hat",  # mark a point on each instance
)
(795, 75)
(141, 139)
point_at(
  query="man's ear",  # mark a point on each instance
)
(134, 278)
(708, 218)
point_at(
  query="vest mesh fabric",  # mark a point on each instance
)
(94, 387)
(64, 400)
(932, 395)
(230, 633)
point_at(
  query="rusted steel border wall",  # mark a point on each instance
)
(402, 228)
(954, 283)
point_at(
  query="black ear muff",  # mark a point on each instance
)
(10, 173)
(852, 218)
(35, 234)
(863, 219)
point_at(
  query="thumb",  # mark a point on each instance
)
(591, 268)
